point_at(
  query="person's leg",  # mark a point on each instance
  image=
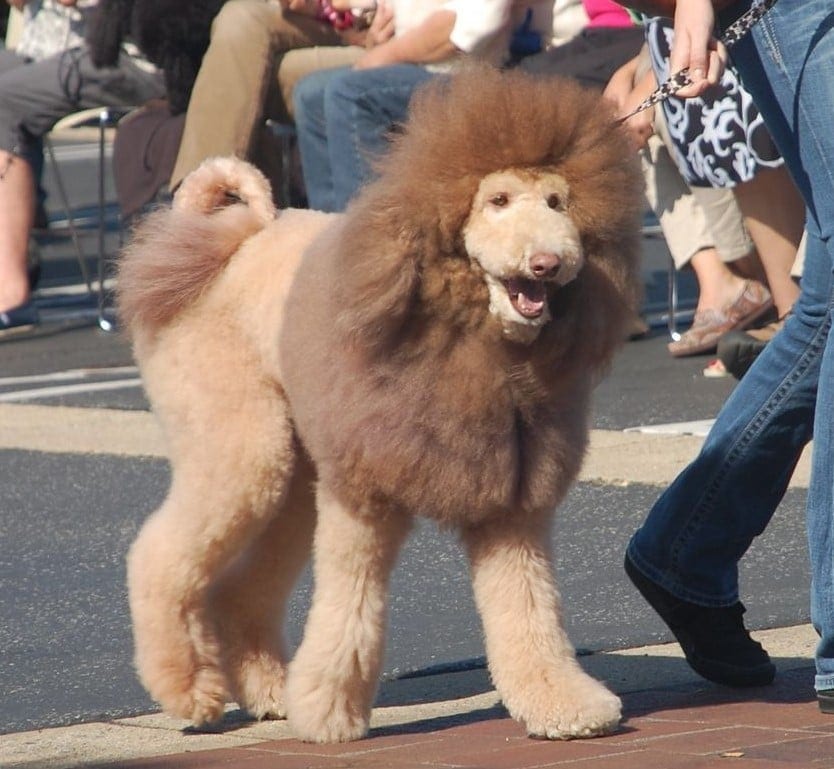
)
(17, 211)
(33, 98)
(718, 285)
(684, 558)
(311, 128)
(699, 528)
(703, 229)
(695, 534)
(292, 67)
(296, 65)
(786, 64)
(820, 506)
(227, 100)
(361, 109)
(680, 215)
(17, 201)
(775, 217)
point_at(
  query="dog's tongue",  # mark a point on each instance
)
(527, 296)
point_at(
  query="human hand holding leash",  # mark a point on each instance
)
(693, 53)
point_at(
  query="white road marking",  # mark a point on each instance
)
(73, 389)
(64, 376)
(699, 428)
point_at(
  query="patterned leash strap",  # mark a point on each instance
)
(737, 30)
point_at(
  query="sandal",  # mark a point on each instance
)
(708, 326)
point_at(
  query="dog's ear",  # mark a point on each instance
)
(379, 268)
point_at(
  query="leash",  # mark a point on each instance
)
(737, 30)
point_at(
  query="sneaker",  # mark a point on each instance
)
(714, 640)
(18, 319)
(826, 700)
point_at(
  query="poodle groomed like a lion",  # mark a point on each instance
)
(322, 379)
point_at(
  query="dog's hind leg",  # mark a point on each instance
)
(333, 677)
(232, 454)
(250, 601)
(531, 660)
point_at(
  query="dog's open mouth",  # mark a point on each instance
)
(528, 297)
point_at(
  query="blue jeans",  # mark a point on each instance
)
(344, 118)
(704, 522)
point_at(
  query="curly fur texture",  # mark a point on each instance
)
(433, 351)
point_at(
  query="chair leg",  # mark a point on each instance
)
(62, 191)
(672, 321)
(105, 324)
(285, 134)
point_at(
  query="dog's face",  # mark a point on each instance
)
(519, 233)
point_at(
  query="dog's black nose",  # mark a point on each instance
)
(545, 264)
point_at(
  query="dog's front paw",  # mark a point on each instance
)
(579, 706)
(199, 698)
(259, 684)
(322, 710)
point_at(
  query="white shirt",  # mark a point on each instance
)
(483, 28)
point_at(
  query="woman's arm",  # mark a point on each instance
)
(426, 43)
(694, 47)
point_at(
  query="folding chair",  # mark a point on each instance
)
(102, 118)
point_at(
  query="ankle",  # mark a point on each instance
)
(13, 294)
(720, 297)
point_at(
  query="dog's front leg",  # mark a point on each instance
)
(531, 660)
(333, 677)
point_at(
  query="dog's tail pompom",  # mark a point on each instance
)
(222, 182)
(174, 254)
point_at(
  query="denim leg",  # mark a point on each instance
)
(311, 129)
(699, 528)
(794, 59)
(361, 107)
(732, 488)
(820, 515)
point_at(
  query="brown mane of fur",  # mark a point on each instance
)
(414, 387)
(404, 230)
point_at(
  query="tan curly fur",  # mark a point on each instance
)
(432, 351)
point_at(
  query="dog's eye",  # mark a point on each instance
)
(500, 200)
(554, 201)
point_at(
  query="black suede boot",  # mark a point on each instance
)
(716, 644)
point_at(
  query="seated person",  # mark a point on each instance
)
(48, 76)
(344, 116)
(234, 89)
(610, 37)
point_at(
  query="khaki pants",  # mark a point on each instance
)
(692, 218)
(237, 77)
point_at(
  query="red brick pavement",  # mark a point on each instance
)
(693, 726)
